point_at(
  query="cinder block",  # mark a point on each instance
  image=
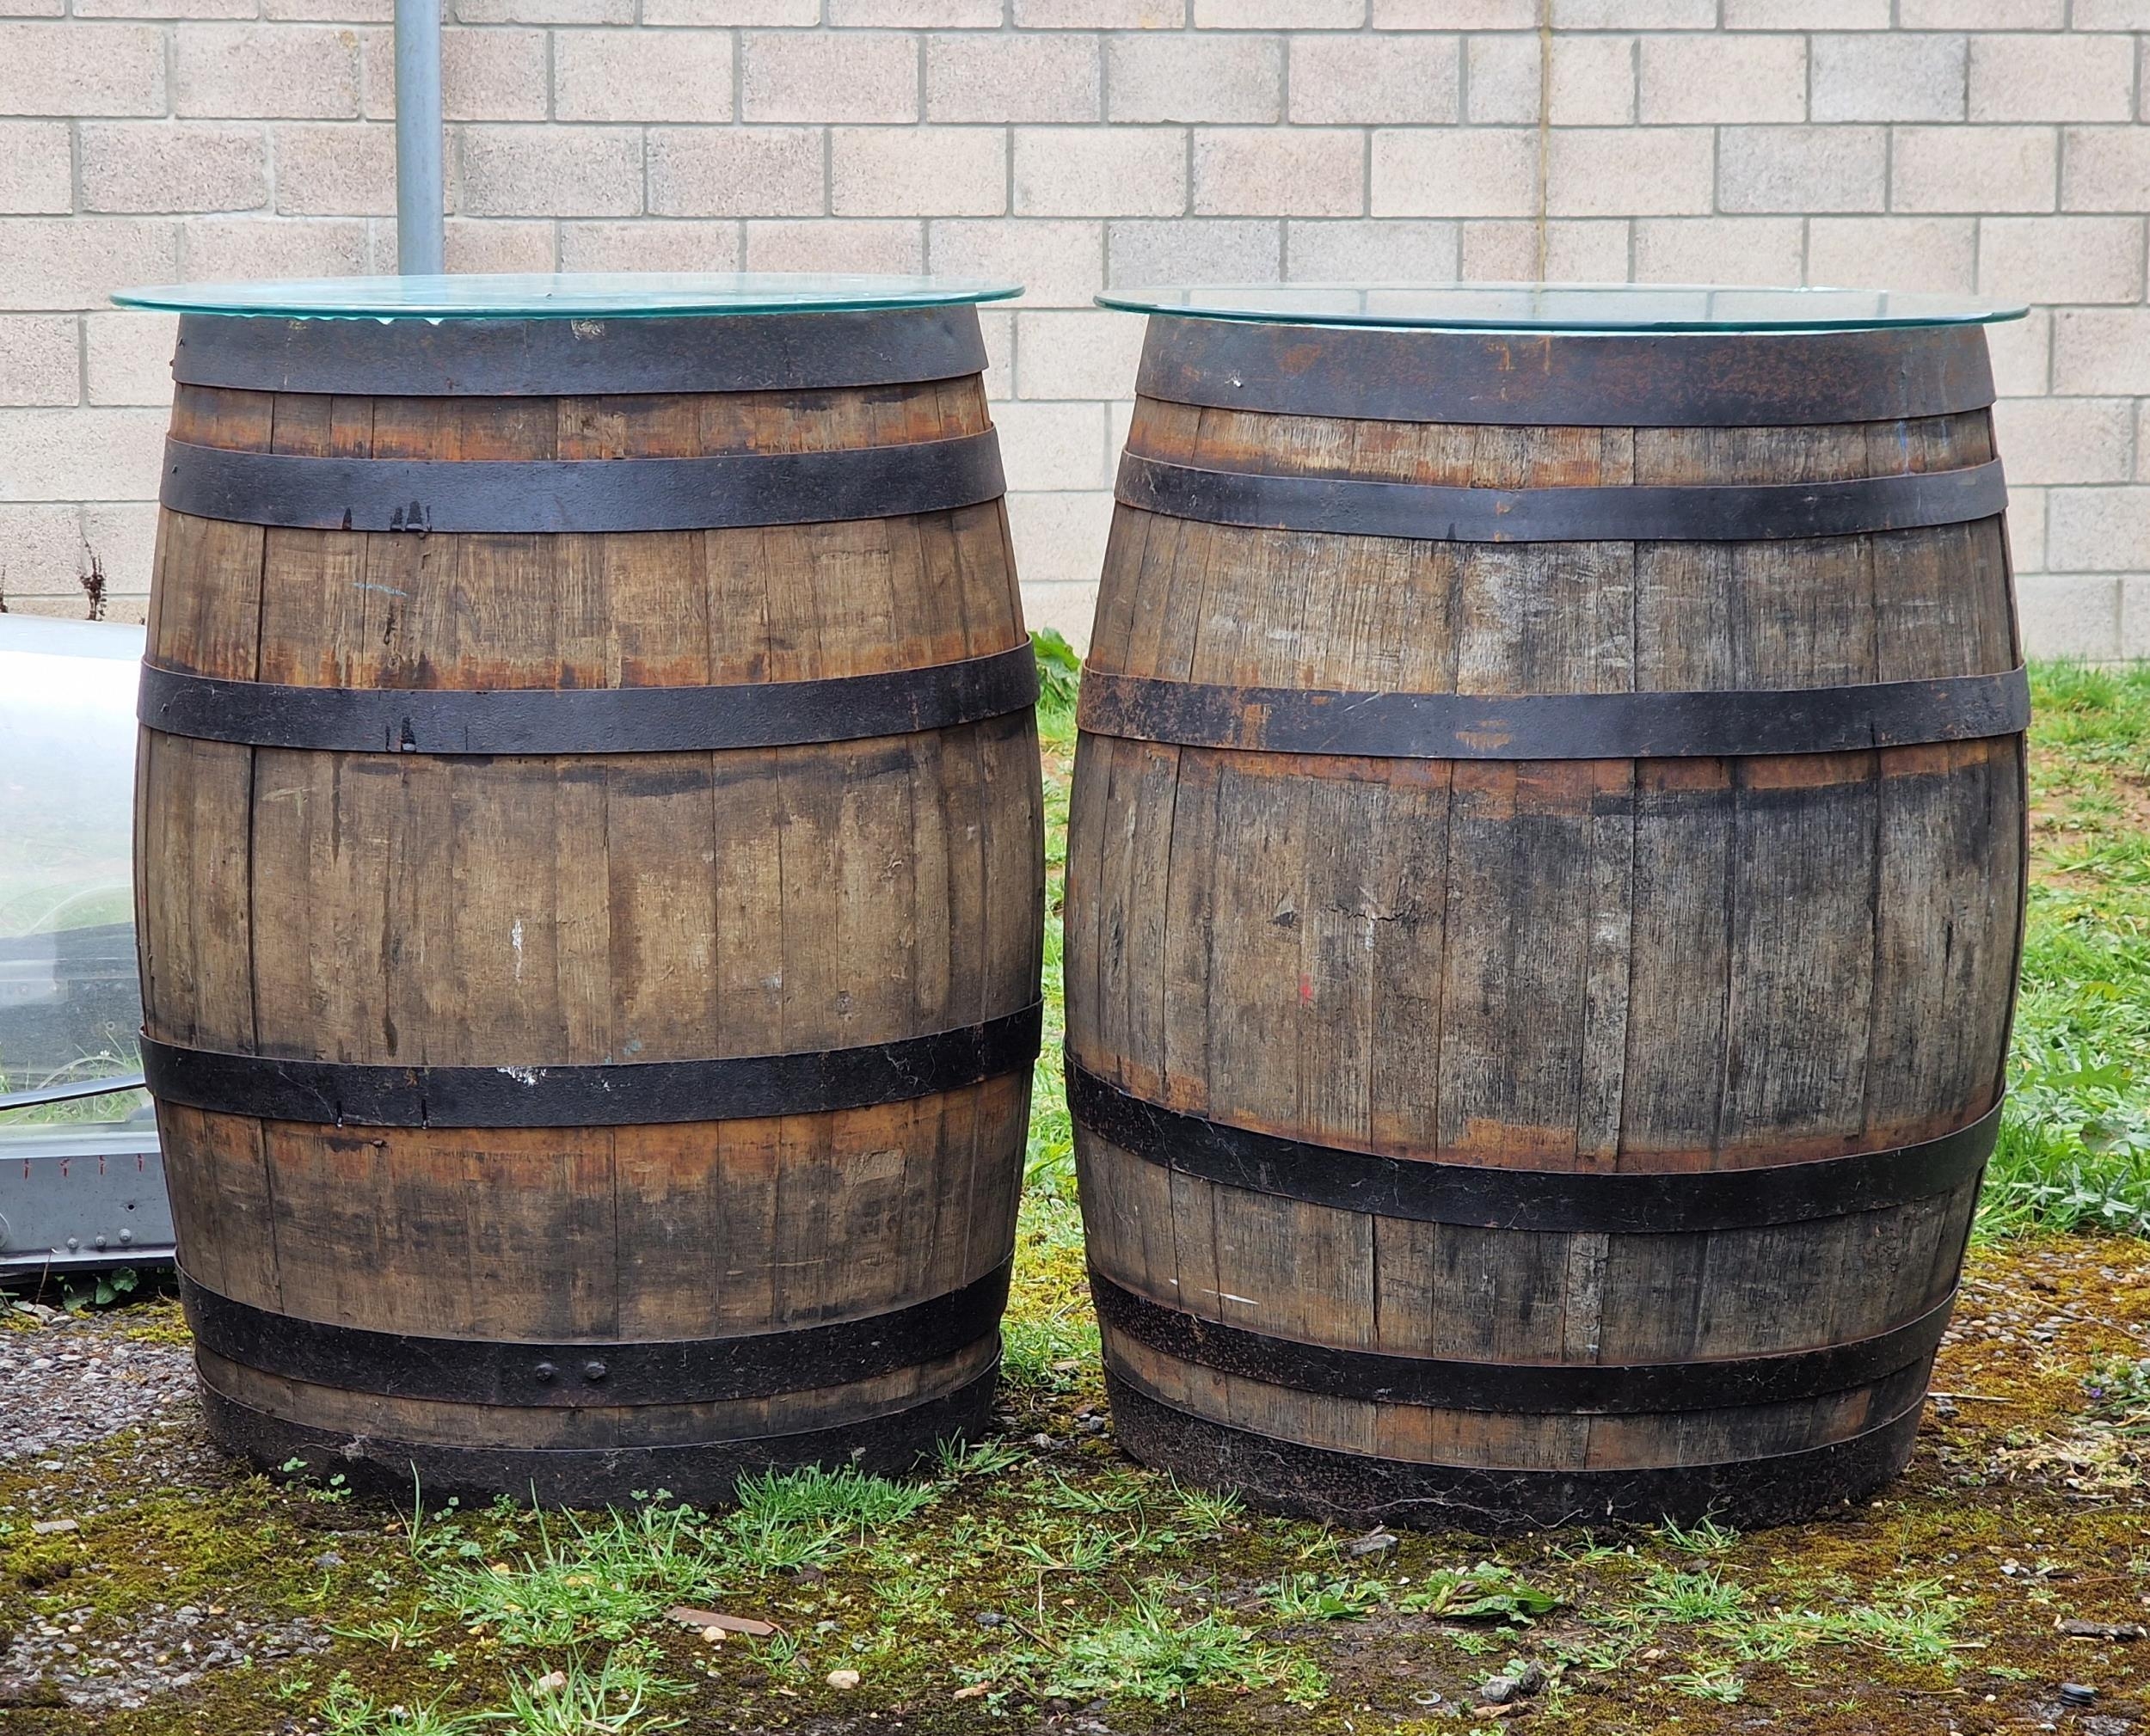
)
(1476, 171)
(1986, 15)
(1455, 15)
(1576, 250)
(120, 537)
(1086, 353)
(40, 358)
(1903, 253)
(1279, 14)
(1981, 168)
(1648, 171)
(893, 244)
(551, 171)
(161, 8)
(2097, 352)
(2025, 528)
(1100, 14)
(1710, 78)
(642, 75)
(917, 171)
(2067, 440)
(1059, 541)
(1198, 250)
(545, 11)
(727, 13)
(331, 168)
(1893, 77)
(81, 454)
(1389, 80)
(2111, 14)
(58, 262)
(1298, 171)
(165, 166)
(818, 76)
(2053, 78)
(78, 69)
(2060, 258)
(1718, 249)
(1089, 171)
(2134, 617)
(2106, 169)
(2022, 352)
(743, 171)
(36, 168)
(1593, 79)
(997, 325)
(1052, 446)
(1059, 261)
(320, 11)
(1807, 15)
(2087, 529)
(488, 243)
(1634, 15)
(916, 15)
(648, 243)
(272, 71)
(266, 247)
(128, 357)
(2070, 615)
(1371, 250)
(1178, 77)
(1802, 169)
(1013, 78)
(44, 545)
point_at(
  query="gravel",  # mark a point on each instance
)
(67, 1381)
(102, 1664)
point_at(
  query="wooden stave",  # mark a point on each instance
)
(1152, 777)
(969, 1138)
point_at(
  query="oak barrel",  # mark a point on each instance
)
(1544, 888)
(590, 885)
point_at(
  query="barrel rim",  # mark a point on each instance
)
(1785, 379)
(583, 357)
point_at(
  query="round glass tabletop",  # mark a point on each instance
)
(1529, 307)
(573, 295)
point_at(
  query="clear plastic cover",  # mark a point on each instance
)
(70, 1004)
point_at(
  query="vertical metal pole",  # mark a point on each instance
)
(418, 173)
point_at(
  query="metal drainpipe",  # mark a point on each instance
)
(418, 143)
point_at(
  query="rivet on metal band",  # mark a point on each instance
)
(1556, 726)
(459, 1370)
(1716, 512)
(623, 720)
(733, 1088)
(1620, 1202)
(1520, 1388)
(580, 494)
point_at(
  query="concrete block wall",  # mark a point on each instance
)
(1997, 146)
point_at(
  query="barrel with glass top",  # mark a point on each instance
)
(590, 874)
(1544, 893)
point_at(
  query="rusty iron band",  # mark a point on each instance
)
(1763, 512)
(458, 1370)
(1616, 1202)
(1569, 379)
(1556, 726)
(580, 494)
(570, 721)
(559, 357)
(1530, 1388)
(731, 1087)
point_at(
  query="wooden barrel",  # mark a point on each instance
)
(590, 884)
(1544, 897)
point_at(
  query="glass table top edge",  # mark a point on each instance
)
(1560, 309)
(588, 296)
